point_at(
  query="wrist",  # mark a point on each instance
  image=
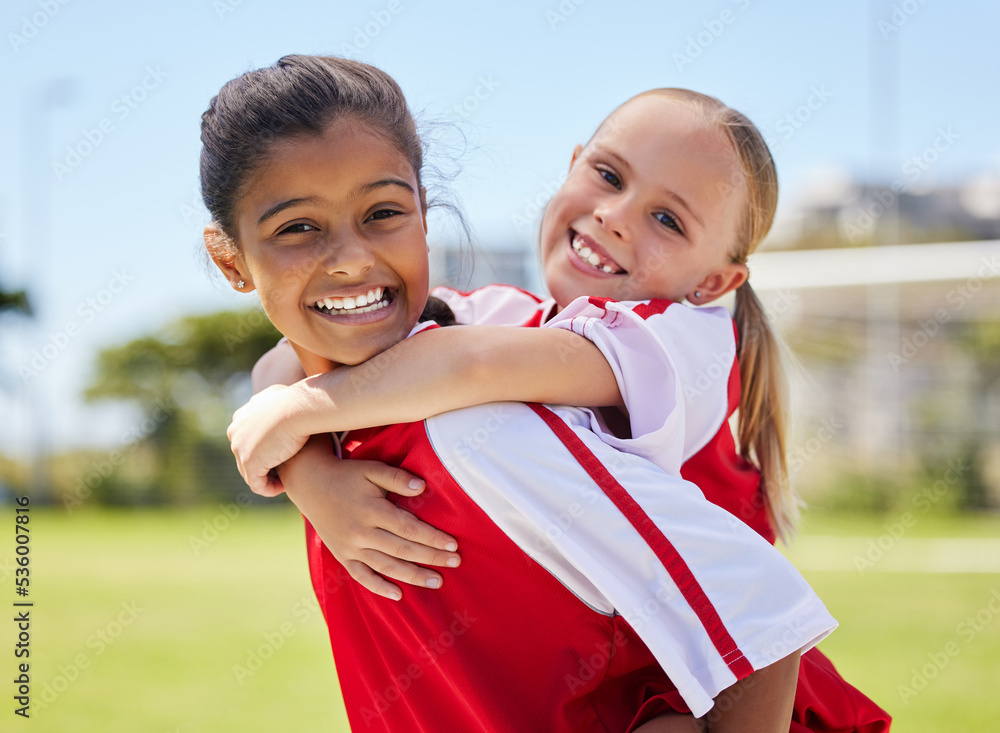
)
(318, 449)
(306, 403)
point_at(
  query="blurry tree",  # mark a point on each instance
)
(980, 340)
(14, 300)
(185, 381)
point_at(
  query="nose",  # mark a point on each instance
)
(349, 255)
(612, 215)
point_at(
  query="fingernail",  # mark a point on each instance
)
(434, 583)
(395, 595)
(451, 546)
(452, 562)
(416, 484)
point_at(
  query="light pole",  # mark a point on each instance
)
(36, 207)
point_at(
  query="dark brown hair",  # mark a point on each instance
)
(299, 95)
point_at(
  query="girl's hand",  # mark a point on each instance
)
(345, 501)
(261, 439)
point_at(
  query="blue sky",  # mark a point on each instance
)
(99, 211)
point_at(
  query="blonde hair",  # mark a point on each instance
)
(763, 409)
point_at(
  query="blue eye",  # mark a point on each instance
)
(668, 221)
(610, 177)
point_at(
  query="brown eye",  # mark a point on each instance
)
(298, 228)
(383, 214)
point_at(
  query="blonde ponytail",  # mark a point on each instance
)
(763, 414)
(763, 406)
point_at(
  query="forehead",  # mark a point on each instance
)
(345, 148)
(657, 128)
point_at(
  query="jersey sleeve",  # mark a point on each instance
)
(709, 597)
(674, 365)
(493, 305)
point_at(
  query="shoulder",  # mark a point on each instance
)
(657, 315)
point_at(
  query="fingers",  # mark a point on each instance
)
(396, 547)
(388, 566)
(411, 532)
(394, 479)
(373, 581)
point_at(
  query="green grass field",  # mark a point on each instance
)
(148, 621)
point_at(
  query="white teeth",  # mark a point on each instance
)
(589, 256)
(364, 303)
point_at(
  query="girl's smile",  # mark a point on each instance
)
(332, 236)
(649, 209)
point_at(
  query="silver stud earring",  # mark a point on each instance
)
(240, 285)
(697, 293)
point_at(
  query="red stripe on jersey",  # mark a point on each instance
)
(735, 386)
(535, 321)
(652, 308)
(679, 572)
(644, 310)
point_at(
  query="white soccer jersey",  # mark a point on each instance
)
(709, 597)
(706, 593)
(673, 363)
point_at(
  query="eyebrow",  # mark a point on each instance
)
(363, 190)
(670, 194)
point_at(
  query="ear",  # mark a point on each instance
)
(227, 258)
(576, 154)
(719, 282)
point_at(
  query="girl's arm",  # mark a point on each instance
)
(759, 703)
(433, 372)
(346, 503)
